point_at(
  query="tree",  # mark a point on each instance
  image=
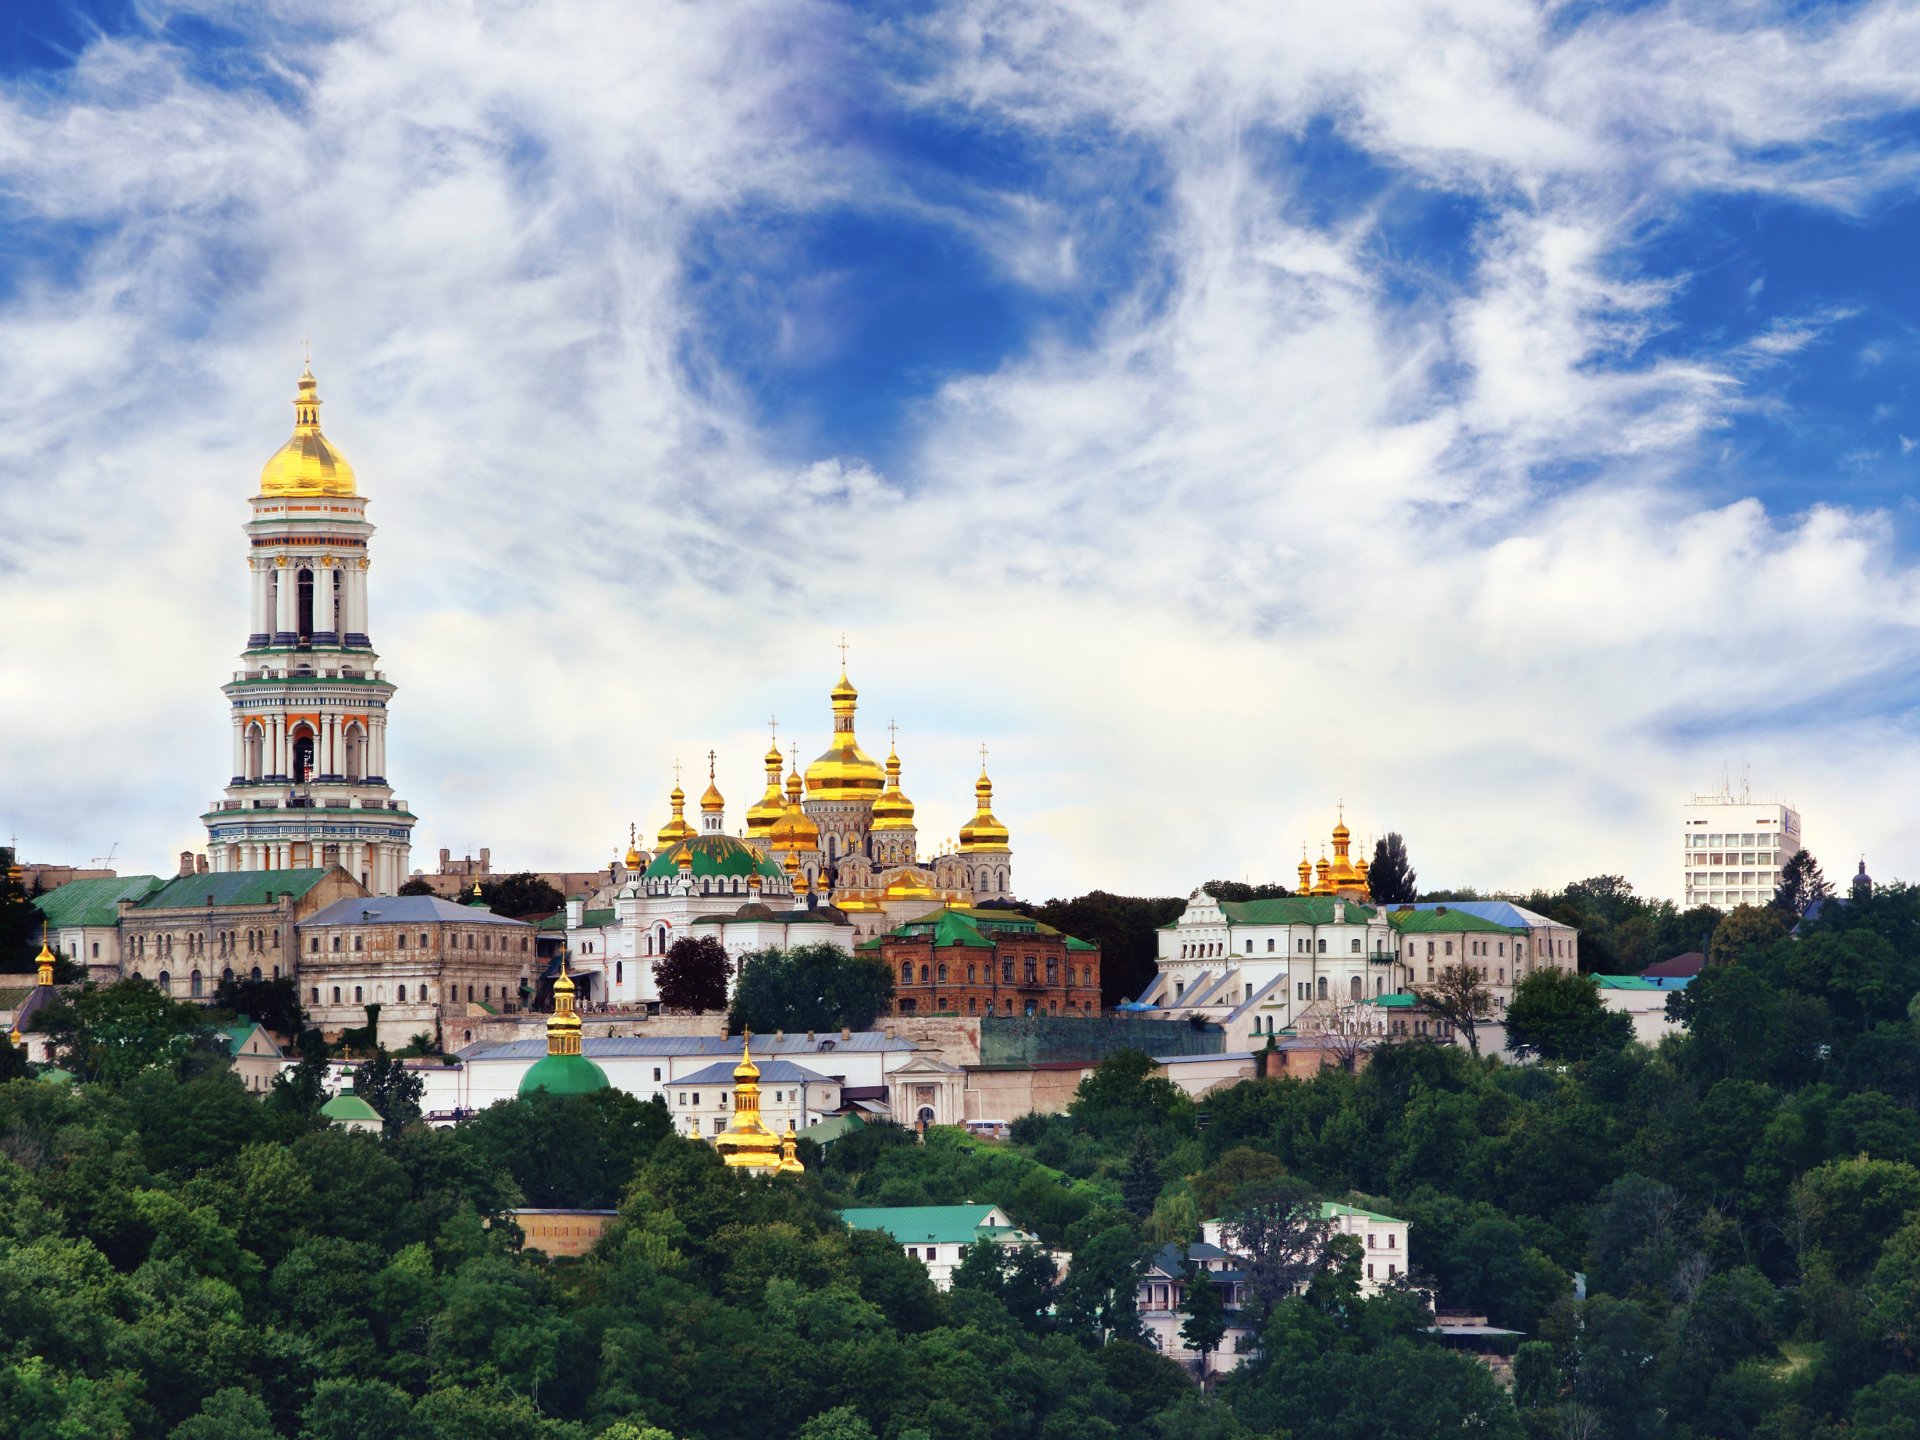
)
(521, 894)
(842, 1422)
(389, 1087)
(419, 885)
(1390, 878)
(1745, 929)
(1127, 1088)
(1140, 1184)
(114, 1032)
(274, 1003)
(1240, 890)
(1206, 1322)
(228, 1414)
(1278, 1227)
(1559, 1015)
(810, 987)
(693, 974)
(1020, 1277)
(356, 1410)
(1801, 884)
(1125, 927)
(19, 918)
(1460, 996)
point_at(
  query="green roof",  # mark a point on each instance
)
(233, 887)
(718, 855)
(1331, 1210)
(926, 1224)
(589, 920)
(1626, 982)
(349, 1106)
(960, 925)
(1394, 1002)
(563, 1075)
(825, 1132)
(1452, 922)
(1294, 910)
(93, 902)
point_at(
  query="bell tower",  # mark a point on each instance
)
(309, 703)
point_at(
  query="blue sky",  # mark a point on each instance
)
(1500, 416)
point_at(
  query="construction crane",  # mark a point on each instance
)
(105, 862)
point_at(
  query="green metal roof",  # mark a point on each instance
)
(1450, 921)
(1626, 982)
(349, 1106)
(563, 1075)
(927, 1224)
(721, 855)
(1332, 1210)
(1295, 910)
(93, 902)
(1394, 1002)
(973, 929)
(233, 887)
(589, 920)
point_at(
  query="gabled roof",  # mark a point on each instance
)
(234, 1036)
(1500, 912)
(929, 1224)
(1332, 1210)
(405, 910)
(772, 1072)
(233, 887)
(93, 902)
(973, 927)
(1295, 910)
(348, 1106)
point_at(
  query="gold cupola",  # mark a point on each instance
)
(772, 805)
(747, 1144)
(1323, 876)
(893, 810)
(844, 772)
(983, 832)
(43, 962)
(713, 805)
(634, 858)
(1306, 873)
(676, 829)
(307, 465)
(795, 830)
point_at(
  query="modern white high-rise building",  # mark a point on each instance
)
(309, 705)
(1733, 849)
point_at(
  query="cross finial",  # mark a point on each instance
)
(893, 734)
(983, 757)
(306, 348)
(843, 650)
(1343, 812)
(711, 757)
(676, 774)
(773, 730)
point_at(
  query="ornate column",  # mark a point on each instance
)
(287, 616)
(262, 628)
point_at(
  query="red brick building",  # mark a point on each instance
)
(989, 962)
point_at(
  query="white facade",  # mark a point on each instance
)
(309, 704)
(792, 1097)
(1732, 851)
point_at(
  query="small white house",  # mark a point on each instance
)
(937, 1235)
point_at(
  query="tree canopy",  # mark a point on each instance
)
(810, 987)
(693, 974)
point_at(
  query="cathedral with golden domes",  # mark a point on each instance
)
(829, 854)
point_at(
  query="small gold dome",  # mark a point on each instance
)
(794, 830)
(307, 464)
(768, 809)
(983, 832)
(893, 810)
(676, 829)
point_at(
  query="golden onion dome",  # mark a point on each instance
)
(844, 771)
(712, 803)
(307, 464)
(795, 829)
(770, 806)
(983, 832)
(676, 829)
(908, 885)
(746, 1069)
(634, 858)
(893, 810)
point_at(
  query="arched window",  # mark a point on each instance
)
(926, 976)
(305, 620)
(336, 994)
(619, 971)
(316, 994)
(302, 754)
(357, 995)
(943, 974)
(401, 995)
(165, 982)
(971, 977)
(906, 973)
(256, 744)
(1354, 989)
(193, 984)
(1323, 987)
(355, 751)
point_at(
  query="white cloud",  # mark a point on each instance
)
(1272, 536)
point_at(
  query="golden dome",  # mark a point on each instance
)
(634, 858)
(307, 464)
(908, 885)
(1306, 872)
(790, 1157)
(1340, 831)
(983, 832)
(676, 829)
(893, 810)
(844, 771)
(563, 1025)
(770, 806)
(794, 830)
(746, 1143)
(712, 803)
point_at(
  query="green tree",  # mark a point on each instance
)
(1461, 997)
(419, 885)
(1801, 884)
(1390, 877)
(228, 1414)
(1206, 1314)
(521, 894)
(693, 974)
(1020, 1277)
(1240, 890)
(356, 1410)
(1141, 1182)
(1746, 929)
(390, 1087)
(1124, 1090)
(113, 1032)
(1125, 927)
(1277, 1225)
(274, 1003)
(1559, 1015)
(842, 1422)
(810, 987)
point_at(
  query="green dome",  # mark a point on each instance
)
(723, 855)
(564, 1075)
(349, 1106)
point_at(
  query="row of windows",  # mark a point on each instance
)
(195, 943)
(421, 993)
(1030, 1009)
(1769, 858)
(453, 942)
(1029, 972)
(1716, 841)
(196, 983)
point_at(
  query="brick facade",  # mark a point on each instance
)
(978, 963)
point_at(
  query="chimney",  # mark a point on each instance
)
(576, 912)
(200, 864)
(1339, 912)
(1439, 909)
(845, 1033)
(445, 855)
(186, 862)
(486, 861)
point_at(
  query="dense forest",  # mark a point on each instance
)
(1742, 1209)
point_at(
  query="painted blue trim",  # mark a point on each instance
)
(284, 637)
(354, 640)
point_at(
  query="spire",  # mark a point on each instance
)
(844, 772)
(633, 846)
(893, 810)
(983, 832)
(44, 960)
(769, 808)
(713, 807)
(677, 828)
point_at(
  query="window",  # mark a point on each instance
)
(401, 995)
(316, 994)
(336, 944)
(336, 994)
(906, 973)
(356, 943)
(403, 939)
(1269, 944)
(1449, 947)
(656, 1074)
(1369, 1272)
(926, 974)
(1356, 947)
(1392, 1241)
(1370, 1240)
(356, 995)
(423, 939)
(1323, 987)
(313, 946)
(1323, 947)
(1249, 947)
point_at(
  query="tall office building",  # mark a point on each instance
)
(1734, 849)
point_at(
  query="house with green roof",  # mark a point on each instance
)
(194, 930)
(83, 920)
(255, 1055)
(938, 1235)
(1328, 964)
(967, 960)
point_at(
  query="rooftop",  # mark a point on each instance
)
(93, 902)
(405, 910)
(927, 1224)
(772, 1072)
(233, 887)
(616, 1047)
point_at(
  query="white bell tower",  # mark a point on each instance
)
(310, 703)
